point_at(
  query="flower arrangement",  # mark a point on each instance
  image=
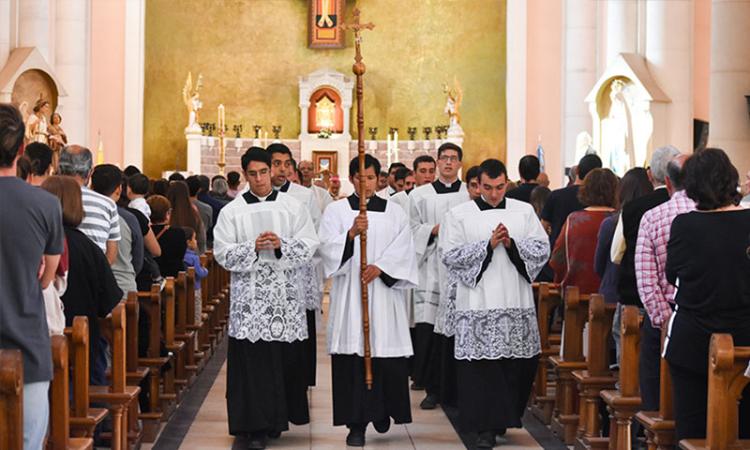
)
(325, 133)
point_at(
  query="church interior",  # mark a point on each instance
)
(183, 91)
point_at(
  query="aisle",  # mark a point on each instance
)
(430, 430)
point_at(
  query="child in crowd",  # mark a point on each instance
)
(192, 259)
(137, 190)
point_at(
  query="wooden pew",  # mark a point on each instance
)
(118, 395)
(596, 377)
(207, 310)
(565, 413)
(83, 418)
(59, 426)
(623, 404)
(210, 302)
(11, 399)
(176, 378)
(182, 334)
(542, 400)
(193, 323)
(139, 374)
(659, 425)
(161, 402)
(726, 381)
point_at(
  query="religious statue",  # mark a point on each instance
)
(191, 98)
(453, 103)
(617, 133)
(36, 124)
(325, 113)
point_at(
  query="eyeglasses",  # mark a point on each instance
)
(447, 158)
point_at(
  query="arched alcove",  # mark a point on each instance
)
(325, 111)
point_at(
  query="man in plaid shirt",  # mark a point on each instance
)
(655, 292)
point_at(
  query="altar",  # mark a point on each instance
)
(325, 102)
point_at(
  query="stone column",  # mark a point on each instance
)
(622, 28)
(729, 127)
(34, 26)
(4, 32)
(579, 70)
(669, 52)
(72, 65)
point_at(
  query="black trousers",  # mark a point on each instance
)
(265, 387)
(311, 348)
(353, 404)
(648, 365)
(448, 383)
(427, 351)
(492, 394)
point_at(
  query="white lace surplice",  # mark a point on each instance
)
(494, 314)
(390, 247)
(427, 208)
(265, 302)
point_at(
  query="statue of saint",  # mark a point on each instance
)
(617, 131)
(453, 104)
(36, 124)
(325, 111)
(191, 98)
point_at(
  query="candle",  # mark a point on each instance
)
(100, 151)
(395, 146)
(265, 139)
(388, 150)
(221, 120)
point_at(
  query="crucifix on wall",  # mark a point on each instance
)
(324, 18)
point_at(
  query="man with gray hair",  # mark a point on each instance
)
(654, 290)
(101, 222)
(626, 235)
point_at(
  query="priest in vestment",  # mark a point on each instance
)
(262, 238)
(391, 271)
(428, 206)
(494, 247)
(310, 277)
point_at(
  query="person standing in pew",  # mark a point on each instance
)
(92, 289)
(32, 232)
(171, 239)
(708, 261)
(494, 247)
(622, 252)
(192, 259)
(262, 238)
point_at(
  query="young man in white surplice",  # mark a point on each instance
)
(427, 207)
(310, 277)
(391, 271)
(263, 237)
(494, 247)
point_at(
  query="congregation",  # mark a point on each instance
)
(457, 272)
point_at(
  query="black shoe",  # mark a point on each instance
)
(486, 439)
(429, 402)
(500, 432)
(257, 441)
(274, 434)
(382, 426)
(356, 437)
(417, 387)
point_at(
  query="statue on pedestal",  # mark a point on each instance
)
(191, 98)
(617, 132)
(452, 106)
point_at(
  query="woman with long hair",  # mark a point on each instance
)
(184, 213)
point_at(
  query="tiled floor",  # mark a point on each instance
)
(430, 430)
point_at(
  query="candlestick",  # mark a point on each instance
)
(222, 146)
(388, 150)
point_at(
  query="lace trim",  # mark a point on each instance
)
(266, 303)
(534, 253)
(496, 333)
(465, 262)
(445, 323)
(309, 287)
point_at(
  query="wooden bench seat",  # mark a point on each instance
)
(565, 413)
(659, 425)
(11, 399)
(726, 381)
(543, 397)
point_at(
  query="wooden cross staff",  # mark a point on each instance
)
(359, 70)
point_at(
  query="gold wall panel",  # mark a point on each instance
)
(251, 53)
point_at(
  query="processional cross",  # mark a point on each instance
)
(359, 70)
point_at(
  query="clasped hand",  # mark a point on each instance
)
(267, 241)
(500, 235)
(358, 227)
